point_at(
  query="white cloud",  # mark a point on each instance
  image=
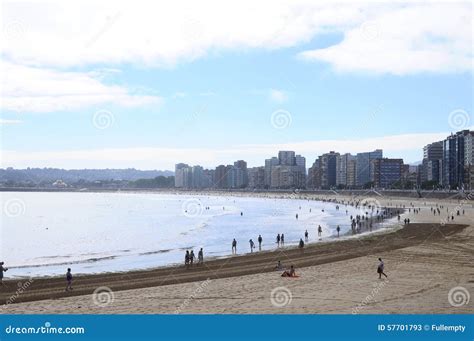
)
(278, 96)
(31, 89)
(9, 122)
(165, 158)
(432, 37)
(409, 37)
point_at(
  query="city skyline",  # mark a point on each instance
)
(121, 86)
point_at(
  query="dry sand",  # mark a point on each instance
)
(424, 263)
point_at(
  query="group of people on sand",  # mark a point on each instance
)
(190, 256)
(291, 272)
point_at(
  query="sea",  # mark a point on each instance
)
(44, 233)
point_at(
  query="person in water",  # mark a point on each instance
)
(282, 239)
(252, 245)
(306, 234)
(234, 247)
(191, 257)
(380, 269)
(200, 257)
(186, 258)
(320, 230)
(278, 239)
(289, 273)
(260, 240)
(2, 270)
(338, 229)
(69, 280)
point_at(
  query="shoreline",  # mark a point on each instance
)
(273, 193)
(375, 219)
(235, 266)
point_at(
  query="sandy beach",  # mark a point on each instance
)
(429, 267)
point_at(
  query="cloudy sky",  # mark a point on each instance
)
(148, 84)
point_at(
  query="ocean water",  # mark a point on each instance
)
(43, 234)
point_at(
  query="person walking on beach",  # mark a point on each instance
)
(338, 229)
(234, 247)
(278, 239)
(186, 258)
(191, 257)
(68, 280)
(2, 270)
(260, 240)
(200, 257)
(306, 236)
(380, 269)
(301, 244)
(252, 245)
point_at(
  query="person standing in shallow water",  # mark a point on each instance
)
(278, 239)
(338, 229)
(186, 258)
(282, 239)
(260, 239)
(200, 257)
(252, 245)
(320, 230)
(306, 236)
(234, 247)
(191, 257)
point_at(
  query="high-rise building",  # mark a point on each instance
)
(364, 164)
(220, 177)
(256, 177)
(469, 160)
(342, 169)
(269, 164)
(179, 174)
(286, 158)
(241, 175)
(351, 172)
(432, 161)
(328, 169)
(300, 161)
(314, 175)
(197, 177)
(286, 171)
(386, 172)
(453, 160)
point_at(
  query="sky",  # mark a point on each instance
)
(135, 84)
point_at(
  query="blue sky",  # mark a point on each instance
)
(214, 101)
